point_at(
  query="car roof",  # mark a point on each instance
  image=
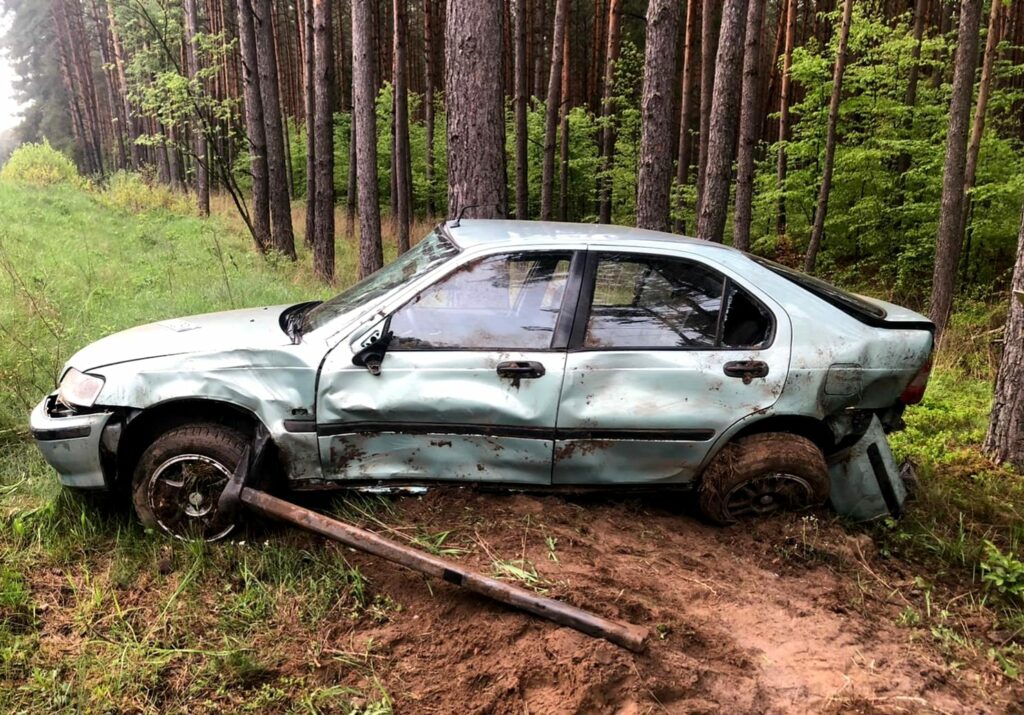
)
(475, 232)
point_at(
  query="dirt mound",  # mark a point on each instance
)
(790, 615)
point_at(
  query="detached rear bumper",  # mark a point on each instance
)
(71, 443)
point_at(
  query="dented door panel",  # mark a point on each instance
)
(438, 414)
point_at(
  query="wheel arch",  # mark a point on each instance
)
(143, 427)
(810, 427)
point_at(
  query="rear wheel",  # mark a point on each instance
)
(762, 474)
(180, 477)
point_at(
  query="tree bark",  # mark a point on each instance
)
(708, 46)
(721, 141)
(522, 160)
(780, 167)
(685, 108)
(403, 170)
(476, 152)
(255, 128)
(309, 93)
(202, 177)
(980, 109)
(654, 179)
(280, 205)
(947, 241)
(563, 172)
(830, 141)
(604, 189)
(323, 127)
(429, 70)
(364, 94)
(750, 126)
(131, 121)
(554, 99)
(1005, 439)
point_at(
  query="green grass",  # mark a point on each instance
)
(95, 614)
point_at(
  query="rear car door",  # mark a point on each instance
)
(666, 353)
(468, 387)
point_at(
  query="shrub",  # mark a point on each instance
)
(1003, 573)
(40, 165)
(133, 193)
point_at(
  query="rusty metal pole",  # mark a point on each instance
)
(626, 635)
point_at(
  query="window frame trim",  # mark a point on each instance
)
(563, 321)
(586, 298)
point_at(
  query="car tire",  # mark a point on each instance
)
(180, 477)
(761, 474)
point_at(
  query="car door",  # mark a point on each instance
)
(666, 353)
(468, 386)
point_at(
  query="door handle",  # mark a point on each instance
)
(746, 369)
(520, 369)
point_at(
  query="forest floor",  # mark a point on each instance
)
(797, 613)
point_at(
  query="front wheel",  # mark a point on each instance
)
(180, 477)
(762, 474)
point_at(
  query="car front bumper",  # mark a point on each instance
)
(71, 443)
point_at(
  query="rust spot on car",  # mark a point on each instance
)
(581, 447)
(440, 443)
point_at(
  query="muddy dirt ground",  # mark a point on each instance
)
(794, 614)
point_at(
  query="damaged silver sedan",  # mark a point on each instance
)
(531, 355)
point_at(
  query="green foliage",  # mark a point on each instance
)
(40, 165)
(1003, 573)
(135, 193)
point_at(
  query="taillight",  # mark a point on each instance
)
(915, 390)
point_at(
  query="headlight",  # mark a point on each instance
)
(78, 389)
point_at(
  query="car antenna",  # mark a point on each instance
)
(464, 209)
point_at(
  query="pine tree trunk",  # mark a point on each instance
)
(364, 95)
(255, 128)
(323, 127)
(604, 189)
(202, 178)
(708, 46)
(554, 99)
(714, 202)
(1005, 439)
(131, 121)
(429, 70)
(980, 109)
(476, 152)
(563, 171)
(522, 156)
(280, 206)
(309, 92)
(403, 170)
(780, 167)
(947, 242)
(685, 106)
(654, 179)
(818, 231)
(115, 106)
(539, 55)
(750, 126)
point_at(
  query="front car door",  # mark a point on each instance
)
(666, 353)
(468, 386)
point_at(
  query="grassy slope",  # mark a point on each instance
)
(137, 620)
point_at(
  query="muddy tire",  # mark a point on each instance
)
(180, 477)
(762, 474)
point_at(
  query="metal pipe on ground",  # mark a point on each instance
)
(627, 635)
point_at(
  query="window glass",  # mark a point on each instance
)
(432, 251)
(501, 302)
(642, 301)
(747, 323)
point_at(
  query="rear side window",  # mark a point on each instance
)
(847, 302)
(652, 302)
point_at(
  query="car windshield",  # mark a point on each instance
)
(850, 303)
(432, 251)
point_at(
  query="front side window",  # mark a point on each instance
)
(508, 302)
(654, 302)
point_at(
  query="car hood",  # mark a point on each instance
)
(213, 332)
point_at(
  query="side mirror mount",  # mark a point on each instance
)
(373, 348)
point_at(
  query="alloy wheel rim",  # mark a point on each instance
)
(767, 494)
(183, 493)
